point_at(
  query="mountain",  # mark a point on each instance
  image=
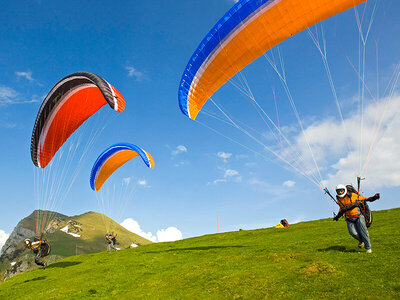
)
(81, 234)
(308, 260)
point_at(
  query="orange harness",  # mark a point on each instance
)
(346, 200)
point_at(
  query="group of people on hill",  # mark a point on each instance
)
(41, 248)
(351, 204)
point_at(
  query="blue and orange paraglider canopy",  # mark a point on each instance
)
(73, 100)
(244, 33)
(113, 158)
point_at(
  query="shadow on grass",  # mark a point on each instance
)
(195, 249)
(337, 248)
(64, 264)
(37, 278)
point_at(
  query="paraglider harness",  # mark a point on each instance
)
(363, 206)
(285, 223)
(41, 245)
(111, 238)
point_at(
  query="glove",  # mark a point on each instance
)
(336, 218)
(373, 198)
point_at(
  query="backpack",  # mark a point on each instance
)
(285, 223)
(364, 208)
(45, 249)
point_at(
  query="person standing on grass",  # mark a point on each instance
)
(350, 205)
(111, 242)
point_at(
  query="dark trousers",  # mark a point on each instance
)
(39, 260)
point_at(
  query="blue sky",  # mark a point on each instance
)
(142, 48)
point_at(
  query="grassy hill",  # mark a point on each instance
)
(316, 259)
(89, 229)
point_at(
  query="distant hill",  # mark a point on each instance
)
(308, 260)
(81, 234)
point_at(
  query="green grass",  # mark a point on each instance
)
(91, 240)
(315, 259)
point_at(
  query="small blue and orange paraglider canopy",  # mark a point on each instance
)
(114, 157)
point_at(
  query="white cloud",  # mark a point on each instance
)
(169, 235)
(216, 181)
(179, 164)
(179, 149)
(127, 180)
(133, 226)
(231, 173)
(142, 182)
(224, 156)
(26, 75)
(163, 235)
(133, 72)
(3, 238)
(289, 183)
(256, 181)
(266, 186)
(7, 95)
(339, 149)
(11, 96)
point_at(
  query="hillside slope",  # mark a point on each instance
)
(81, 234)
(316, 259)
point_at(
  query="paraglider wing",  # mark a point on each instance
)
(113, 158)
(245, 32)
(70, 102)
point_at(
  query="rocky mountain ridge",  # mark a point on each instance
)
(81, 234)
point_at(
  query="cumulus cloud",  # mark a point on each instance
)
(169, 235)
(133, 226)
(163, 235)
(224, 156)
(179, 149)
(3, 238)
(26, 75)
(133, 72)
(341, 152)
